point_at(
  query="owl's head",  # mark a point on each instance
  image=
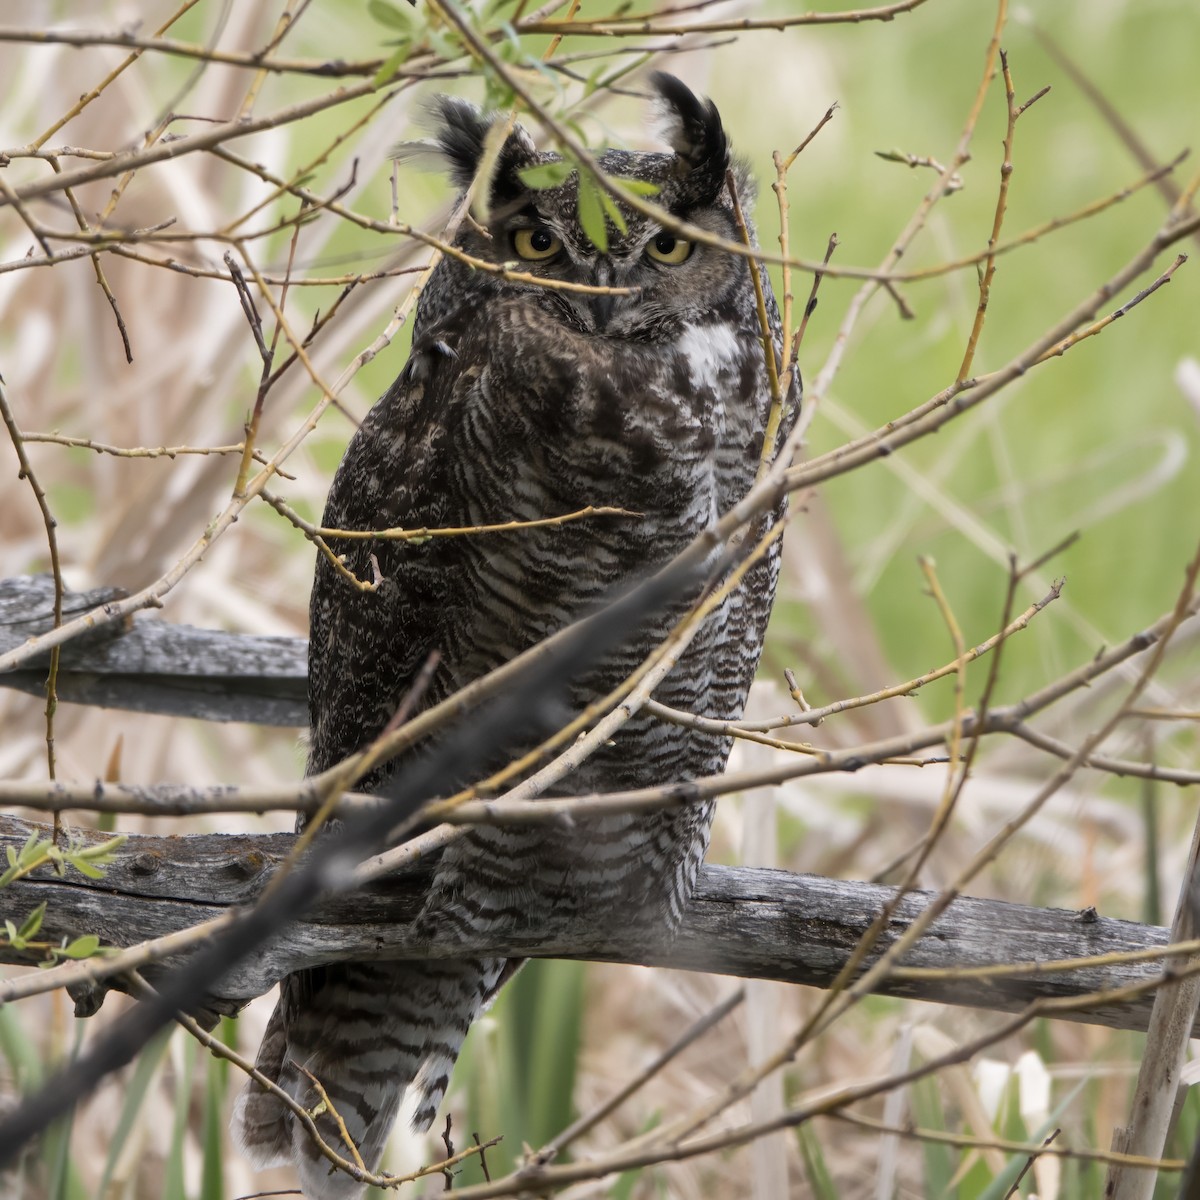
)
(540, 229)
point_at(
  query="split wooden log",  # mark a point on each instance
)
(149, 665)
(745, 922)
(742, 922)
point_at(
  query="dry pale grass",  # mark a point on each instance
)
(125, 521)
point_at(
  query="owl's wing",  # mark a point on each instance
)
(344, 1022)
(366, 646)
(742, 624)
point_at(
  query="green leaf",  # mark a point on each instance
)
(389, 15)
(390, 67)
(546, 175)
(85, 868)
(638, 187)
(511, 36)
(485, 172)
(102, 851)
(33, 922)
(90, 860)
(510, 48)
(82, 947)
(614, 213)
(13, 936)
(444, 43)
(28, 856)
(591, 213)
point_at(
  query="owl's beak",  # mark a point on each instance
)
(602, 306)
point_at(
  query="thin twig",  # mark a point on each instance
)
(50, 525)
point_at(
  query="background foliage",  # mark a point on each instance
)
(1103, 442)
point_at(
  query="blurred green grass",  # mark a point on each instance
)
(1037, 464)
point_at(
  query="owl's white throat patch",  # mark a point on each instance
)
(710, 350)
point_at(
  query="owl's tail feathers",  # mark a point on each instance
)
(473, 984)
(261, 1123)
(366, 1032)
(347, 1029)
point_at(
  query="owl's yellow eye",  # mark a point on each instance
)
(536, 244)
(669, 249)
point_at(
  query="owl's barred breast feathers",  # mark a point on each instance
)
(520, 402)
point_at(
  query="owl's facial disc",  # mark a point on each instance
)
(532, 219)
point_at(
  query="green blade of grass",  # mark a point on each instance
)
(624, 1186)
(554, 1052)
(212, 1137)
(135, 1093)
(819, 1180)
(174, 1185)
(19, 1050)
(939, 1158)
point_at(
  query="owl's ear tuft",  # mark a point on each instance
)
(693, 129)
(459, 130)
(465, 139)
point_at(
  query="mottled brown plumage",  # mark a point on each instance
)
(519, 402)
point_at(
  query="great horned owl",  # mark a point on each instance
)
(520, 402)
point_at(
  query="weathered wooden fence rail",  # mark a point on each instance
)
(743, 922)
(150, 665)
